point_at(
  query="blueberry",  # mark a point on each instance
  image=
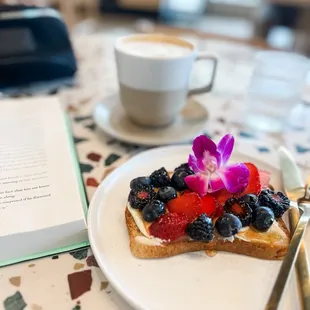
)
(135, 183)
(228, 225)
(177, 180)
(153, 210)
(166, 193)
(263, 217)
(251, 200)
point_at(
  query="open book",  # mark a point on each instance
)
(42, 198)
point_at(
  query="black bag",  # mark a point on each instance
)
(34, 46)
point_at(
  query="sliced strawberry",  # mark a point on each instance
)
(209, 205)
(222, 195)
(219, 211)
(187, 191)
(264, 177)
(169, 226)
(188, 204)
(254, 185)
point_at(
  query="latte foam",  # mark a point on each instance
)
(154, 49)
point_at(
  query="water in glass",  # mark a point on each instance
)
(275, 88)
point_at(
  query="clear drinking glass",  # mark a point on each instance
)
(275, 88)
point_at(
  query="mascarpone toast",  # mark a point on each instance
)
(207, 204)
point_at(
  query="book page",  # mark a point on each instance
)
(38, 182)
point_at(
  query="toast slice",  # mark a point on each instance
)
(269, 251)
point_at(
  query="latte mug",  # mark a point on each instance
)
(153, 73)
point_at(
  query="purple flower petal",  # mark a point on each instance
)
(215, 183)
(225, 147)
(202, 144)
(207, 163)
(198, 183)
(192, 163)
(235, 177)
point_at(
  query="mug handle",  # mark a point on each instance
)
(208, 87)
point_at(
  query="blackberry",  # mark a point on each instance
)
(137, 182)
(201, 229)
(228, 225)
(184, 166)
(160, 178)
(263, 218)
(177, 180)
(277, 202)
(166, 193)
(139, 198)
(153, 210)
(239, 208)
(251, 200)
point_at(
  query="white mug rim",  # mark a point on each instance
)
(119, 41)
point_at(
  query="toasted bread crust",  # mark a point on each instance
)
(258, 250)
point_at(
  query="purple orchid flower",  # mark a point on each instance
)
(212, 171)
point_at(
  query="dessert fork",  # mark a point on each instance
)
(292, 251)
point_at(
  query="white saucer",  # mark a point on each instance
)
(110, 116)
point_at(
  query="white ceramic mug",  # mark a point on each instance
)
(154, 86)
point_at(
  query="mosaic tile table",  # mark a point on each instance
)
(73, 280)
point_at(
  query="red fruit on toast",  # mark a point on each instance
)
(254, 185)
(209, 205)
(264, 177)
(219, 211)
(169, 226)
(222, 195)
(188, 204)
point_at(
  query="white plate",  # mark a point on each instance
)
(187, 281)
(110, 116)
